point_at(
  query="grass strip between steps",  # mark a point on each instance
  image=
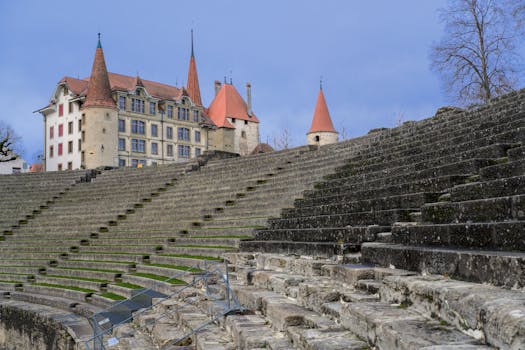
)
(112, 296)
(158, 278)
(176, 267)
(128, 285)
(219, 237)
(59, 286)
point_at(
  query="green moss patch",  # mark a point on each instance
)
(188, 256)
(112, 296)
(158, 278)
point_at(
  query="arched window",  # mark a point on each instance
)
(317, 138)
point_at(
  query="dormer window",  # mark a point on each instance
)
(137, 92)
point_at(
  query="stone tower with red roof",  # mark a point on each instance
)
(322, 131)
(99, 118)
(237, 126)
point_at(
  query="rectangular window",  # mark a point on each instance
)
(79, 125)
(154, 131)
(184, 151)
(79, 145)
(170, 112)
(59, 167)
(121, 125)
(69, 165)
(135, 163)
(152, 108)
(69, 128)
(170, 150)
(169, 132)
(154, 148)
(137, 105)
(70, 107)
(121, 144)
(197, 152)
(197, 136)
(60, 110)
(122, 103)
(184, 113)
(60, 130)
(121, 162)
(183, 134)
(138, 146)
(137, 127)
(60, 149)
(51, 151)
(70, 147)
(51, 132)
(195, 116)
(83, 136)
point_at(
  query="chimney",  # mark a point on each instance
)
(217, 87)
(249, 98)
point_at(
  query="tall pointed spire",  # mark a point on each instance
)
(321, 120)
(192, 84)
(99, 90)
(192, 54)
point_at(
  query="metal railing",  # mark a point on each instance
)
(207, 274)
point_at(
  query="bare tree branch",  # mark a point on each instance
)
(477, 56)
(9, 143)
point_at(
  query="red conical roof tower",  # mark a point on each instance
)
(192, 84)
(99, 90)
(321, 120)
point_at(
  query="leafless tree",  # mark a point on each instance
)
(477, 56)
(343, 134)
(283, 140)
(9, 143)
(400, 119)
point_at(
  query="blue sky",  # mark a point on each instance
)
(373, 56)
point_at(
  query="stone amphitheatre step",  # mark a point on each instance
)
(338, 205)
(87, 273)
(77, 328)
(97, 265)
(398, 327)
(511, 168)
(79, 308)
(215, 251)
(305, 328)
(509, 186)
(492, 235)
(379, 217)
(356, 234)
(479, 210)
(315, 249)
(517, 153)
(480, 266)
(73, 281)
(62, 291)
(458, 168)
(437, 184)
(495, 314)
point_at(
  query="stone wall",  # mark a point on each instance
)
(22, 329)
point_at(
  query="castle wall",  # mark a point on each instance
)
(321, 138)
(246, 136)
(100, 142)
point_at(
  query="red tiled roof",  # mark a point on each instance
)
(99, 91)
(36, 168)
(321, 120)
(228, 103)
(126, 83)
(262, 148)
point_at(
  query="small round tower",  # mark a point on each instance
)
(322, 131)
(99, 118)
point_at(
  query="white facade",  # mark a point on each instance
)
(14, 166)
